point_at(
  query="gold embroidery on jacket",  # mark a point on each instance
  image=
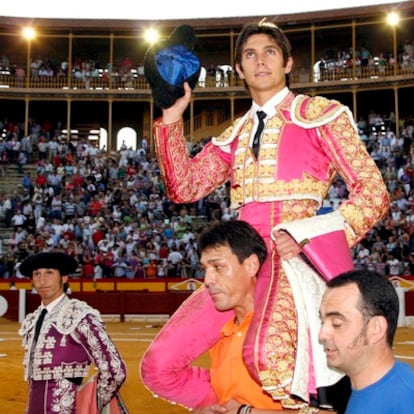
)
(316, 109)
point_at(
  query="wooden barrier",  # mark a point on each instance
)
(409, 303)
(138, 297)
(120, 303)
(80, 284)
(12, 298)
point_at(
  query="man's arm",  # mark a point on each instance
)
(186, 179)
(167, 367)
(368, 199)
(104, 355)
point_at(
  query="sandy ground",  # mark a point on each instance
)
(131, 338)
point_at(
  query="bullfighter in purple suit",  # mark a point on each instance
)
(71, 338)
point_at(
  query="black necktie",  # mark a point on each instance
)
(39, 323)
(256, 140)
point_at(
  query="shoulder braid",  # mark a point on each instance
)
(71, 313)
(311, 112)
(29, 322)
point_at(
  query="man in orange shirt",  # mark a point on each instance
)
(151, 269)
(232, 253)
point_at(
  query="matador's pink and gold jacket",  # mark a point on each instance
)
(306, 143)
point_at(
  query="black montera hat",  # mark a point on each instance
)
(170, 63)
(49, 260)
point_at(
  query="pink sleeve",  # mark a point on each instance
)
(166, 368)
(188, 179)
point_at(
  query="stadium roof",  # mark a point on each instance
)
(175, 9)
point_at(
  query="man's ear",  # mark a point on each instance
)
(239, 71)
(252, 265)
(377, 329)
(289, 65)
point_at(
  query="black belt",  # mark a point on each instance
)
(77, 380)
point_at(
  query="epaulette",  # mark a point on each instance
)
(71, 313)
(311, 112)
(29, 322)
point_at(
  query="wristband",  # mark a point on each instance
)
(244, 409)
(241, 409)
(308, 410)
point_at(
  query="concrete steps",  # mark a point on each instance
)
(12, 179)
(11, 183)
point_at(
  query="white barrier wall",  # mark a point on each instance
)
(401, 300)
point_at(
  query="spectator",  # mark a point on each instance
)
(21, 162)
(120, 267)
(175, 257)
(18, 219)
(151, 269)
(394, 265)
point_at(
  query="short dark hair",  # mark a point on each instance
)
(269, 29)
(378, 296)
(239, 235)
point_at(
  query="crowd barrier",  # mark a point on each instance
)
(147, 297)
(109, 296)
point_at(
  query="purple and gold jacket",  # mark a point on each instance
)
(72, 338)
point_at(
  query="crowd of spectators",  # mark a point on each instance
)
(332, 65)
(335, 62)
(389, 247)
(87, 68)
(110, 211)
